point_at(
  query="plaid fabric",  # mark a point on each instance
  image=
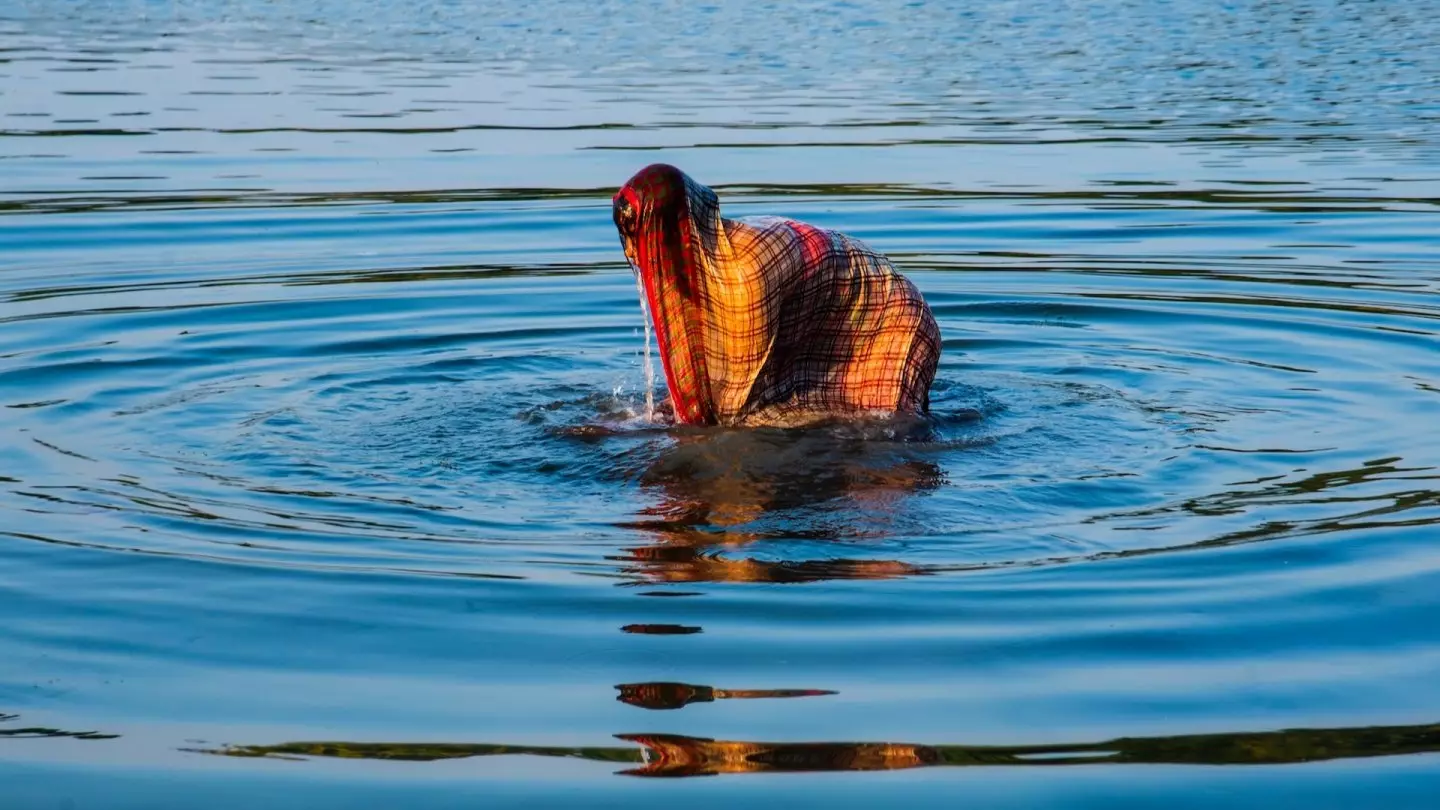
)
(768, 320)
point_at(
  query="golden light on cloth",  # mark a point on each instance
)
(769, 320)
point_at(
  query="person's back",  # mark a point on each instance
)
(771, 321)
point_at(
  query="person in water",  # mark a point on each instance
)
(769, 321)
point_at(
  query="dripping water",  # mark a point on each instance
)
(649, 364)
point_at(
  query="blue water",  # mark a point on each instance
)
(325, 481)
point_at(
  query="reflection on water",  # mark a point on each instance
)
(680, 695)
(39, 732)
(661, 629)
(727, 477)
(710, 481)
(697, 562)
(676, 755)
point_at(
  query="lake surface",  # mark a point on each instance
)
(322, 482)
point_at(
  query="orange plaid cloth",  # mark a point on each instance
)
(768, 320)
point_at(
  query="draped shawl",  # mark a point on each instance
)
(767, 320)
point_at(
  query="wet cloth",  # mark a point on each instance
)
(768, 320)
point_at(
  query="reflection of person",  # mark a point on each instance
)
(701, 564)
(771, 321)
(721, 491)
(675, 755)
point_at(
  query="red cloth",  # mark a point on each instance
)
(769, 320)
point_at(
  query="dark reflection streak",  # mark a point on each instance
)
(1226, 139)
(1238, 500)
(183, 509)
(41, 316)
(1231, 501)
(1262, 450)
(1268, 301)
(42, 201)
(389, 276)
(258, 562)
(70, 133)
(1270, 530)
(417, 752)
(1402, 331)
(676, 755)
(1151, 135)
(45, 496)
(1161, 265)
(33, 733)
(166, 502)
(36, 732)
(661, 629)
(351, 496)
(662, 695)
(166, 505)
(61, 450)
(448, 272)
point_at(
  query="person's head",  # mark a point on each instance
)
(656, 214)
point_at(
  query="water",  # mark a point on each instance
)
(325, 478)
(646, 319)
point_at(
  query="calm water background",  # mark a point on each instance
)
(319, 364)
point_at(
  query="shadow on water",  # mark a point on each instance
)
(677, 755)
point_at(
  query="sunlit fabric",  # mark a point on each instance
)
(768, 320)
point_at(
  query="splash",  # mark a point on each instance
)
(649, 364)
